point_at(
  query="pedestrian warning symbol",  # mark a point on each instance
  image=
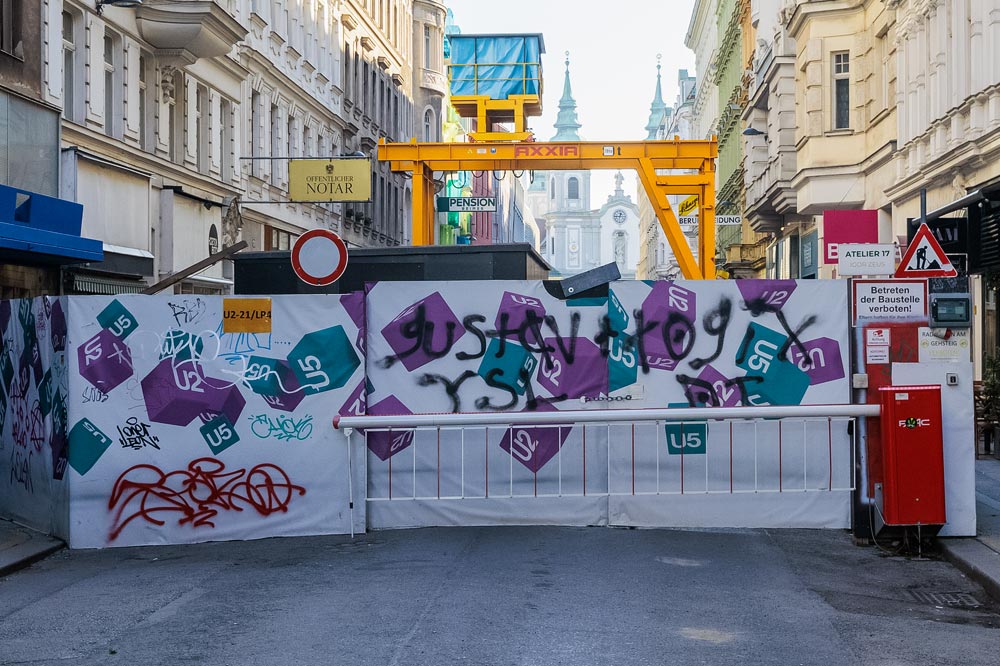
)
(924, 258)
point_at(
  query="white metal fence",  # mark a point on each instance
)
(609, 453)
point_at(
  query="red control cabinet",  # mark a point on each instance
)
(913, 483)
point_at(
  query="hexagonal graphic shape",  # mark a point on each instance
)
(219, 434)
(356, 403)
(534, 446)
(674, 309)
(354, 306)
(514, 359)
(421, 327)
(45, 393)
(176, 394)
(324, 360)
(59, 437)
(3, 409)
(6, 371)
(617, 315)
(623, 370)
(31, 357)
(57, 327)
(765, 294)
(181, 345)
(273, 380)
(387, 443)
(228, 402)
(585, 375)
(117, 320)
(517, 308)
(784, 383)
(685, 437)
(821, 360)
(4, 315)
(105, 361)
(728, 396)
(86, 446)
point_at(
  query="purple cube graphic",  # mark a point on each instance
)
(728, 396)
(354, 305)
(287, 393)
(385, 443)
(423, 325)
(586, 374)
(177, 394)
(667, 302)
(517, 307)
(4, 315)
(105, 361)
(821, 360)
(57, 327)
(356, 402)
(769, 293)
(533, 446)
(227, 401)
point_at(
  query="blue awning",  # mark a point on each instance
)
(35, 228)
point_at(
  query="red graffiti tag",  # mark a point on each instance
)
(199, 492)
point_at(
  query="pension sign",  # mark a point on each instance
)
(330, 180)
(466, 204)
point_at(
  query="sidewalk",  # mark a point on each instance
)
(980, 557)
(20, 546)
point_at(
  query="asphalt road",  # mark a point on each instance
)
(497, 597)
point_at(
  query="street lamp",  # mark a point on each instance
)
(752, 131)
(101, 4)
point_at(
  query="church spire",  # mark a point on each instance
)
(657, 110)
(567, 123)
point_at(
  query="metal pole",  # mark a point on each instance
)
(606, 416)
(350, 475)
(923, 205)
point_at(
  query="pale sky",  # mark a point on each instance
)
(613, 47)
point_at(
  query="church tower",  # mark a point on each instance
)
(572, 242)
(659, 112)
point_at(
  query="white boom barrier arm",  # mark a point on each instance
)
(348, 423)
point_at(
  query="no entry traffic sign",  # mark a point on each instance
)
(319, 257)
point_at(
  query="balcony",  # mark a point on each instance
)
(433, 81)
(184, 31)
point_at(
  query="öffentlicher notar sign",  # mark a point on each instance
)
(330, 180)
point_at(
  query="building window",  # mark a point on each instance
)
(573, 188)
(226, 140)
(114, 104)
(9, 22)
(147, 101)
(882, 53)
(277, 239)
(428, 125)
(71, 78)
(552, 189)
(841, 90)
(276, 166)
(201, 127)
(427, 47)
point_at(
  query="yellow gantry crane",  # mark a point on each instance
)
(496, 91)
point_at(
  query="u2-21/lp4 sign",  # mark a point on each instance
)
(319, 257)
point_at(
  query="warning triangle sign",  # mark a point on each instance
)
(924, 258)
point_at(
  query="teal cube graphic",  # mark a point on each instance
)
(219, 434)
(181, 345)
(117, 320)
(688, 437)
(324, 360)
(86, 446)
(514, 359)
(262, 375)
(622, 367)
(784, 383)
(616, 313)
(45, 393)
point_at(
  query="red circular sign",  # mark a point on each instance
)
(319, 257)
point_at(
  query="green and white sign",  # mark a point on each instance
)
(466, 204)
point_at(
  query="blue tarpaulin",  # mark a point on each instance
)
(496, 65)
